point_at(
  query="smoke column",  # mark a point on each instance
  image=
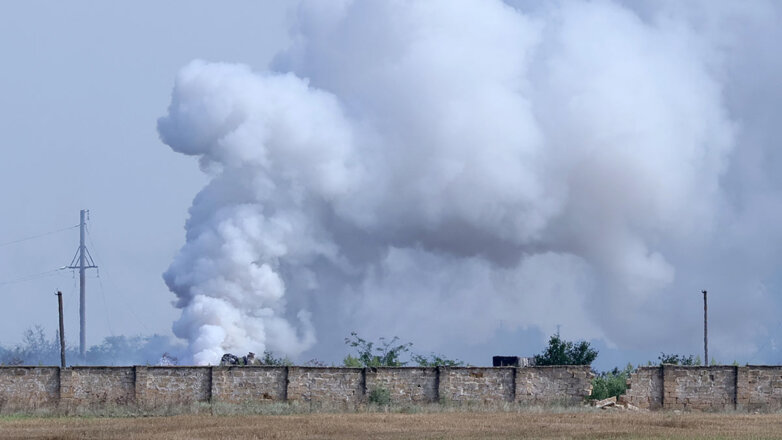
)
(429, 169)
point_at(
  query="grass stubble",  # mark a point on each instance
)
(286, 421)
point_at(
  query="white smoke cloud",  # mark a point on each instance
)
(430, 169)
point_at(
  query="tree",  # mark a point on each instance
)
(561, 352)
(386, 353)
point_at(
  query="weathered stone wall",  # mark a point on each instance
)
(706, 388)
(86, 387)
(551, 385)
(29, 388)
(477, 384)
(645, 388)
(159, 386)
(759, 387)
(249, 384)
(76, 388)
(326, 385)
(405, 385)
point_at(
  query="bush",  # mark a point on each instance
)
(561, 352)
(380, 396)
(436, 360)
(610, 383)
(387, 353)
(677, 359)
(269, 359)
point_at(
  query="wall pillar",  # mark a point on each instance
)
(65, 398)
(443, 383)
(742, 387)
(664, 385)
(141, 381)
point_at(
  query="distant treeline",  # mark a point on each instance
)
(36, 349)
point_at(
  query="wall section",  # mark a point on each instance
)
(713, 388)
(78, 388)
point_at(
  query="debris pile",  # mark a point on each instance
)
(612, 403)
(229, 359)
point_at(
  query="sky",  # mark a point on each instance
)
(470, 176)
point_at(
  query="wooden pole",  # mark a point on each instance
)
(62, 330)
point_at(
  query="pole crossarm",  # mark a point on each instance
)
(82, 261)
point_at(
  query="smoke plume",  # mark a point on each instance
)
(431, 169)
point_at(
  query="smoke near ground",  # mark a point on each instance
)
(438, 170)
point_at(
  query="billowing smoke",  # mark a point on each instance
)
(431, 169)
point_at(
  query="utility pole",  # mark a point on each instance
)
(705, 330)
(62, 330)
(85, 262)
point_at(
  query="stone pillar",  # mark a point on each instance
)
(216, 382)
(141, 385)
(742, 387)
(443, 384)
(66, 402)
(664, 386)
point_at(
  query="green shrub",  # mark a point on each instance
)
(678, 359)
(380, 396)
(436, 360)
(561, 352)
(386, 353)
(610, 383)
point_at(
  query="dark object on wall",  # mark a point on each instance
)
(506, 361)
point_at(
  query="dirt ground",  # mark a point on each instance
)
(456, 425)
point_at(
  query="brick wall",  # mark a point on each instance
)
(75, 388)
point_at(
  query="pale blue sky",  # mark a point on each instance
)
(82, 85)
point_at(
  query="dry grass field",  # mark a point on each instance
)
(445, 425)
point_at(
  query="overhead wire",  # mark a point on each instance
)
(32, 237)
(31, 277)
(102, 290)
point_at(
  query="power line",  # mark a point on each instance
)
(128, 307)
(31, 277)
(32, 237)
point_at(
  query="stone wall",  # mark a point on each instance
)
(165, 386)
(645, 388)
(486, 385)
(326, 385)
(405, 385)
(712, 388)
(29, 388)
(249, 384)
(759, 387)
(88, 387)
(553, 385)
(77, 388)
